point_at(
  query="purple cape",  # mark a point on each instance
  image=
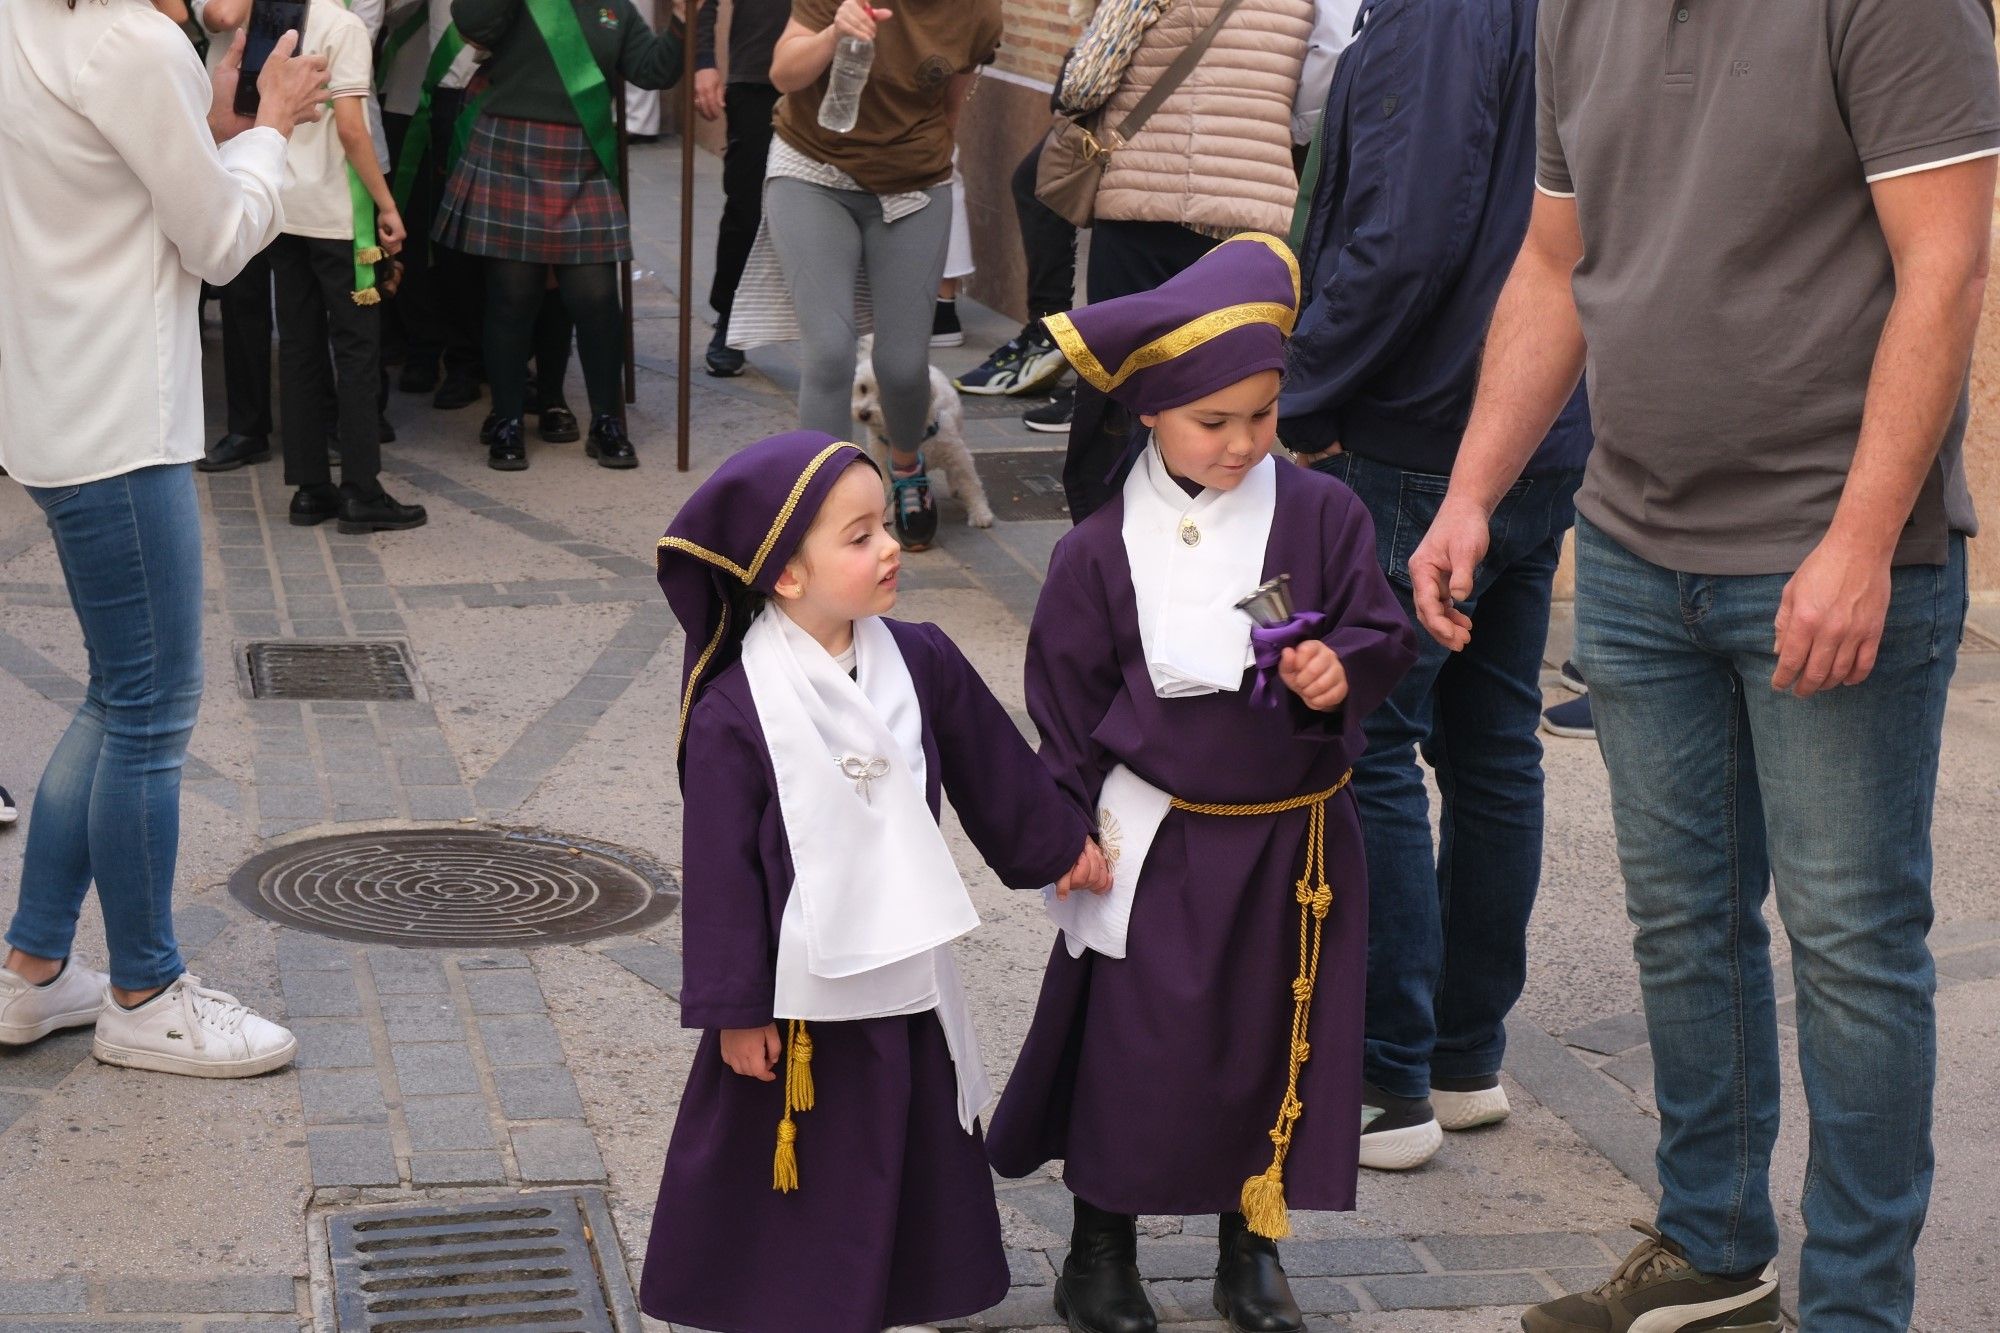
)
(894, 1221)
(1157, 1077)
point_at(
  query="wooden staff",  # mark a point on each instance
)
(625, 266)
(689, 29)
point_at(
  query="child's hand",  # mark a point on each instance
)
(1091, 873)
(389, 230)
(753, 1052)
(1314, 673)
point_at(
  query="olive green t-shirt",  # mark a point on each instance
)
(1735, 280)
(900, 141)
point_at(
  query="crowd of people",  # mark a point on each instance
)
(1386, 238)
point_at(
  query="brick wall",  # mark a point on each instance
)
(1039, 35)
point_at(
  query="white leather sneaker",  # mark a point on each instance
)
(190, 1029)
(912, 1328)
(1470, 1107)
(29, 1012)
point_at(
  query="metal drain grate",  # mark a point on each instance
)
(1024, 484)
(528, 1261)
(374, 669)
(454, 888)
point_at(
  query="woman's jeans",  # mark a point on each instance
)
(1448, 927)
(825, 239)
(108, 805)
(1720, 787)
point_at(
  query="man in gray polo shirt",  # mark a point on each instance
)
(1769, 226)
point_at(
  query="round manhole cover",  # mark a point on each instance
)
(470, 888)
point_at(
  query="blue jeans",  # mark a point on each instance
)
(108, 806)
(1721, 786)
(1447, 928)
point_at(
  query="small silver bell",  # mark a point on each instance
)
(1271, 605)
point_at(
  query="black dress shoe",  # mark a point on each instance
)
(1099, 1290)
(609, 444)
(234, 451)
(722, 360)
(458, 390)
(313, 505)
(379, 512)
(384, 432)
(558, 425)
(506, 451)
(418, 377)
(487, 427)
(1251, 1292)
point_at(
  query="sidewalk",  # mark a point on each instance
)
(547, 670)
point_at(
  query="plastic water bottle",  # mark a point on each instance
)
(841, 106)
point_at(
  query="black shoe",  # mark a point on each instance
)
(609, 444)
(379, 512)
(1656, 1287)
(1052, 417)
(1397, 1133)
(531, 397)
(234, 451)
(946, 331)
(418, 377)
(722, 360)
(1251, 1292)
(458, 390)
(506, 451)
(384, 432)
(558, 425)
(916, 512)
(487, 426)
(1099, 1290)
(313, 505)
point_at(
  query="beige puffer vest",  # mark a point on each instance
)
(1218, 152)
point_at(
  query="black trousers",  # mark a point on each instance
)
(316, 310)
(246, 348)
(1125, 257)
(1049, 242)
(747, 109)
(415, 314)
(460, 279)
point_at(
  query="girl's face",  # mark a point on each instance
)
(1215, 441)
(847, 566)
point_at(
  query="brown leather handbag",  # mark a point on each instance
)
(1074, 156)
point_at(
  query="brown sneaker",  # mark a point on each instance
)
(1656, 1291)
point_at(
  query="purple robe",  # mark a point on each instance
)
(894, 1221)
(1157, 1077)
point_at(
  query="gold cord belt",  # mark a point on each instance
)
(1264, 1194)
(798, 1097)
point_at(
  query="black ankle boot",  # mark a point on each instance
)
(1099, 1290)
(1251, 1293)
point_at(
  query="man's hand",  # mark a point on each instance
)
(753, 1052)
(292, 88)
(708, 93)
(223, 122)
(1314, 672)
(1090, 874)
(389, 230)
(1829, 624)
(1442, 570)
(855, 19)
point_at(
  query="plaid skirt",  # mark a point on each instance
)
(532, 190)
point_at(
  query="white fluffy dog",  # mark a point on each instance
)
(946, 456)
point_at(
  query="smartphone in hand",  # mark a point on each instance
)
(269, 20)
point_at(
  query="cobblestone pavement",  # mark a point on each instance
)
(547, 669)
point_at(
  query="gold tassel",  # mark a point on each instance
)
(373, 254)
(798, 1097)
(1264, 1204)
(368, 296)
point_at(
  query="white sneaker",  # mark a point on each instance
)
(9, 812)
(189, 1029)
(1469, 1110)
(912, 1328)
(29, 1012)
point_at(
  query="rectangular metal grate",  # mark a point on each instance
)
(374, 669)
(524, 1262)
(1024, 485)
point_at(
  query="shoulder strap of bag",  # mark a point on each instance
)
(1172, 78)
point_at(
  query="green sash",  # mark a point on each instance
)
(417, 139)
(367, 254)
(582, 79)
(393, 45)
(1308, 182)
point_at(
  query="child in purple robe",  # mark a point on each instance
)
(826, 1171)
(1197, 1044)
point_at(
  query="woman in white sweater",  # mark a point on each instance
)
(137, 183)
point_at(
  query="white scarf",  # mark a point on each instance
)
(1195, 640)
(876, 897)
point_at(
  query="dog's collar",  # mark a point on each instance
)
(930, 432)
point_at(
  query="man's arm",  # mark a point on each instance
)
(1534, 358)
(1937, 224)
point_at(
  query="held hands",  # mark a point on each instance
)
(1829, 623)
(1314, 672)
(1442, 569)
(1090, 874)
(753, 1052)
(708, 93)
(855, 19)
(292, 88)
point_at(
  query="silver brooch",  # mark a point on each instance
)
(863, 772)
